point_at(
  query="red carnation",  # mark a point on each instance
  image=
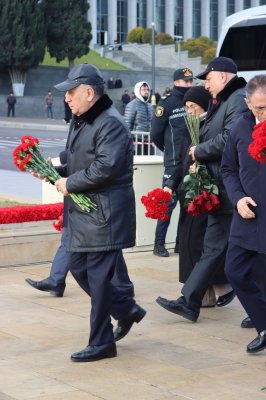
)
(156, 204)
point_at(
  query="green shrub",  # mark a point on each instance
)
(147, 35)
(135, 35)
(197, 46)
(208, 55)
(164, 38)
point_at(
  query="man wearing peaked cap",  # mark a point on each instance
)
(85, 74)
(220, 64)
(100, 166)
(228, 93)
(167, 132)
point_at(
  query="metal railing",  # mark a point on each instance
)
(143, 146)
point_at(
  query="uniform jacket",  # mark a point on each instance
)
(139, 112)
(213, 135)
(244, 176)
(168, 126)
(100, 165)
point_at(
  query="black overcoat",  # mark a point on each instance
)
(244, 176)
(100, 165)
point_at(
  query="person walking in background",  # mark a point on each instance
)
(138, 115)
(167, 133)
(11, 102)
(138, 112)
(48, 102)
(228, 93)
(99, 165)
(125, 99)
(244, 179)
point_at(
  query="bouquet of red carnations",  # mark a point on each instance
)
(58, 225)
(27, 156)
(156, 204)
(201, 192)
(257, 148)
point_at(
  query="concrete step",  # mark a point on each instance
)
(28, 242)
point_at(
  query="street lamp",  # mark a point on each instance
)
(153, 98)
(179, 39)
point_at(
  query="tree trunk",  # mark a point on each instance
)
(18, 79)
(71, 63)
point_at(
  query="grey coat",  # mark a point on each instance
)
(213, 135)
(100, 165)
(138, 115)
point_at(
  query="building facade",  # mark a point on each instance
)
(112, 19)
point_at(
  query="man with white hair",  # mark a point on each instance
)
(228, 93)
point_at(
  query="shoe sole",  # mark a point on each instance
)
(190, 318)
(103, 356)
(161, 255)
(139, 317)
(256, 351)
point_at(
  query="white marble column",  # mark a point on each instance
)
(238, 5)
(188, 10)
(205, 18)
(222, 11)
(131, 14)
(170, 17)
(255, 3)
(112, 21)
(92, 18)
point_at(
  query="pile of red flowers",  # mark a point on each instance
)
(204, 202)
(257, 149)
(58, 225)
(13, 215)
(156, 204)
(201, 192)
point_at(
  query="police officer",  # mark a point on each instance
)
(167, 131)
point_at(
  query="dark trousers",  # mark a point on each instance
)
(162, 226)
(60, 268)
(211, 260)
(60, 264)
(93, 272)
(239, 269)
(11, 109)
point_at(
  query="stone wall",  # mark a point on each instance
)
(40, 80)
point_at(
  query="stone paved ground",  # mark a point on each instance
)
(163, 358)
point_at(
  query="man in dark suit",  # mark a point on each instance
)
(227, 90)
(244, 179)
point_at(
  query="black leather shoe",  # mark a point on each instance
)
(257, 344)
(124, 325)
(225, 299)
(95, 353)
(247, 323)
(160, 250)
(46, 286)
(178, 307)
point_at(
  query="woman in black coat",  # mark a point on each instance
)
(192, 229)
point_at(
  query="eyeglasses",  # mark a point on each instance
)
(258, 110)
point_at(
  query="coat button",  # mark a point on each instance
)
(72, 151)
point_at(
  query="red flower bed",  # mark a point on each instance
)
(12, 215)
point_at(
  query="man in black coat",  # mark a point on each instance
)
(244, 179)
(167, 132)
(99, 165)
(228, 103)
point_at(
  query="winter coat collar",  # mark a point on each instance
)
(231, 87)
(179, 90)
(90, 116)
